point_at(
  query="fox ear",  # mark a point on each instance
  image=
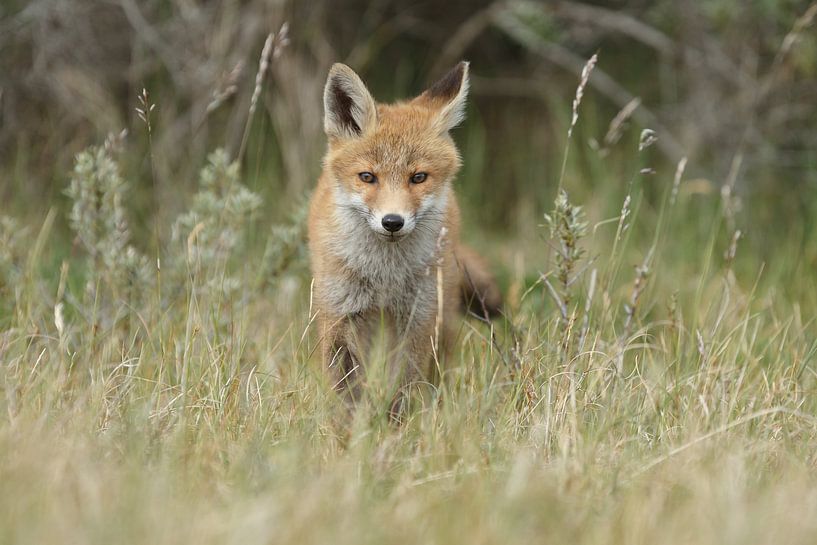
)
(349, 109)
(448, 95)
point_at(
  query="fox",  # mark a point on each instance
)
(383, 232)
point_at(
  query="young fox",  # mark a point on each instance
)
(384, 230)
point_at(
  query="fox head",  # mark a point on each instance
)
(391, 165)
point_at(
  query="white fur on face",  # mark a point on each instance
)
(430, 211)
(435, 203)
(388, 273)
(375, 221)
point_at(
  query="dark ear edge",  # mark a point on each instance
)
(349, 109)
(447, 87)
(340, 104)
(448, 97)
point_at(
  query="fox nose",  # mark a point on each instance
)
(392, 222)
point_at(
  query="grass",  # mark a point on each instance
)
(653, 380)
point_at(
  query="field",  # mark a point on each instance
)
(653, 378)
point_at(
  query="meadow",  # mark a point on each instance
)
(652, 380)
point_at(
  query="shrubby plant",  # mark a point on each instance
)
(619, 416)
(214, 229)
(98, 217)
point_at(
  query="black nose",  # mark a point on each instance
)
(392, 222)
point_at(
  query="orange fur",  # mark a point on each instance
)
(365, 275)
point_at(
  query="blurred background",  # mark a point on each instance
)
(729, 84)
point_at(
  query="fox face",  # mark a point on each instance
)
(391, 165)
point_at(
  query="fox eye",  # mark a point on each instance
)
(419, 178)
(367, 177)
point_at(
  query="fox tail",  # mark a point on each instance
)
(481, 296)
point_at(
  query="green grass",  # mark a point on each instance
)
(668, 404)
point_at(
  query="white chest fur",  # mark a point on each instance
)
(398, 277)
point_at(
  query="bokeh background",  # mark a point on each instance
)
(653, 379)
(729, 84)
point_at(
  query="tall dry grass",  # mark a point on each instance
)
(667, 404)
(651, 381)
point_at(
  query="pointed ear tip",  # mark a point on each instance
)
(463, 70)
(465, 78)
(338, 67)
